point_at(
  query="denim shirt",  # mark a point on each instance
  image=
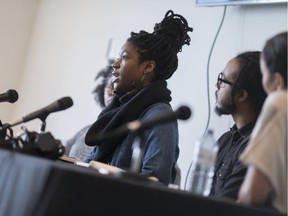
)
(160, 143)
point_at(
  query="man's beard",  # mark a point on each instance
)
(227, 108)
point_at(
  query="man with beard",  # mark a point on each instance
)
(241, 95)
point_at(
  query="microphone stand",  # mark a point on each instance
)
(2, 131)
(133, 175)
(43, 124)
(137, 154)
(43, 127)
(46, 144)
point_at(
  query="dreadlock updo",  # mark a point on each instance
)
(163, 45)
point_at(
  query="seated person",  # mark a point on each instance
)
(241, 95)
(145, 62)
(266, 154)
(75, 147)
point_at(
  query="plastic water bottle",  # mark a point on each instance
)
(201, 172)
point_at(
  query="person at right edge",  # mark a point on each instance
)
(239, 94)
(145, 62)
(265, 183)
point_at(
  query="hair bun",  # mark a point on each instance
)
(174, 28)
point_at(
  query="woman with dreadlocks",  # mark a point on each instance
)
(145, 62)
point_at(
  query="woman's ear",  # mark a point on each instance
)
(149, 67)
(279, 81)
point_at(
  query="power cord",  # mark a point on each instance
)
(208, 90)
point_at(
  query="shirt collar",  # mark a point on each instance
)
(244, 130)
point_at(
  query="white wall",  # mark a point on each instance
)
(16, 22)
(58, 52)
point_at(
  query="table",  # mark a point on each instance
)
(34, 186)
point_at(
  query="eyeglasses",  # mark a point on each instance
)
(221, 80)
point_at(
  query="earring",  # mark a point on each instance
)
(142, 79)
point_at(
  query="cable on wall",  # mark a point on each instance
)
(208, 89)
(208, 69)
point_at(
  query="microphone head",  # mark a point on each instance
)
(183, 112)
(12, 95)
(65, 103)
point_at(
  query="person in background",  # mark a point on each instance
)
(145, 62)
(266, 154)
(239, 94)
(75, 147)
(104, 90)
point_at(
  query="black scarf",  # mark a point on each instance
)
(123, 110)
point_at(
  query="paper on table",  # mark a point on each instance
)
(66, 158)
(102, 166)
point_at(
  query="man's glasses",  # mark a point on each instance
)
(221, 80)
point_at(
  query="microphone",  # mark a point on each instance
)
(42, 114)
(10, 96)
(183, 113)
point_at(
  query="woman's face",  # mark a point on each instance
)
(127, 69)
(267, 77)
(108, 92)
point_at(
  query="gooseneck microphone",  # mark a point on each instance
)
(182, 113)
(42, 114)
(10, 96)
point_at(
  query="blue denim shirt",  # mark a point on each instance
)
(160, 143)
